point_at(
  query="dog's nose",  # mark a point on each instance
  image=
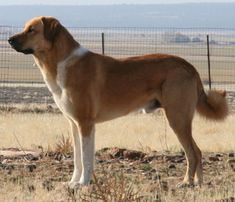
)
(12, 40)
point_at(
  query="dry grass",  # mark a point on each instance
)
(141, 132)
(114, 188)
(64, 145)
(110, 187)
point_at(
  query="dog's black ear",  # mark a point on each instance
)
(52, 28)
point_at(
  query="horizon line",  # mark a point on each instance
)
(113, 4)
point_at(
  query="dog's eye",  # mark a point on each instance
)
(30, 30)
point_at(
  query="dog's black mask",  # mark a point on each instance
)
(15, 43)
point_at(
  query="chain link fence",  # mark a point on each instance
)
(21, 81)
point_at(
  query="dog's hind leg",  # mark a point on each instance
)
(179, 101)
(182, 128)
(199, 170)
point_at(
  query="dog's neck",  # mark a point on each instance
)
(61, 49)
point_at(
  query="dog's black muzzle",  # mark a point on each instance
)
(16, 44)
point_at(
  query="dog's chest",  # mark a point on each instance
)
(57, 83)
(62, 99)
(57, 88)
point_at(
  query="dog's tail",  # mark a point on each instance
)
(212, 105)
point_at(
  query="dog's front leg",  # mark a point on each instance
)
(87, 139)
(77, 155)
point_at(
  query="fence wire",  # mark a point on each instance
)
(21, 81)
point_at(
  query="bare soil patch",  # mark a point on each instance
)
(151, 176)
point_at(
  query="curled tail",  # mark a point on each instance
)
(212, 105)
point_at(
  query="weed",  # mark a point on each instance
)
(111, 187)
(64, 145)
(145, 167)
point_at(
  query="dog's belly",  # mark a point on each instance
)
(114, 110)
(109, 115)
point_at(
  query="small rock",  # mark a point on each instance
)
(99, 161)
(219, 155)
(157, 177)
(153, 170)
(174, 158)
(133, 155)
(58, 156)
(31, 188)
(59, 168)
(129, 170)
(179, 160)
(9, 171)
(68, 161)
(1, 158)
(9, 167)
(213, 158)
(149, 158)
(231, 161)
(231, 164)
(30, 167)
(47, 184)
(26, 97)
(172, 166)
(5, 161)
(164, 185)
(148, 175)
(231, 154)
(49, 108)
(230, 199)
(32, 157)
(116, 152)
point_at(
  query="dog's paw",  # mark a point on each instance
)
(77, 184)
(185, 184)
(72, 185)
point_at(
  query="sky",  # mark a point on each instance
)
(100, 2)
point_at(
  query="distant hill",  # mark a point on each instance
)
(213, 15)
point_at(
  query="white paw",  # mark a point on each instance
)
(184, 184)
(76, 184)
(73, 184)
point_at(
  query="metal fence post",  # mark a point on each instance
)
(208, 59)
(102, 42)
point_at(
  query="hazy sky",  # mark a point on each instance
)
(94, 2)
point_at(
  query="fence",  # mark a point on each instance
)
(21, 80)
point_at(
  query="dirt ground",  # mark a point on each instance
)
(138, 176)
(39, 94)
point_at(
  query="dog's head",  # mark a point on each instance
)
(39, 34)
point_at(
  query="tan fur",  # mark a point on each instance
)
(213, 105)
(98, 88)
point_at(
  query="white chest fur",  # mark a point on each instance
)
(57, 86)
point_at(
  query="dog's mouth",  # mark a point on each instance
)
(27, 51)
(15, 44)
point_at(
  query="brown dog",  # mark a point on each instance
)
(90, 88)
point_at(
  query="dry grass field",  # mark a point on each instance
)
(150, 177)
(135, 131)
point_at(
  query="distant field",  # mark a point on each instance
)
(16, 67)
